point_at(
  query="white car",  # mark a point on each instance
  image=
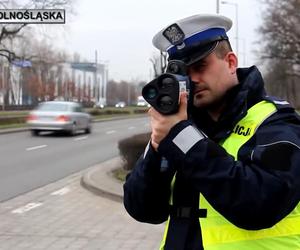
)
(120, 105)
(99, 105)
(141, 102)
(59, 116)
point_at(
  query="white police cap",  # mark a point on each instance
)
(192, 38)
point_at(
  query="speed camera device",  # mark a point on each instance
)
(163, 92)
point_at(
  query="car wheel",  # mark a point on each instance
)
(35, 132)
(72, 132)
(88, 130)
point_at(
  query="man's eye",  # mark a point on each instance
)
(201, 66)
(198, 67)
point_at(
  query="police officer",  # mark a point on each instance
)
(233, 163)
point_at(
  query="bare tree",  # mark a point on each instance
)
(46, 74)
(159, 63)
(112, 88)
(122, 91)
(17, 42)
(280, 51)
(9, 32)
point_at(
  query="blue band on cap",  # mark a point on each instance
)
(198, 37)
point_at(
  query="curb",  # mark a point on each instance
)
(100, 181)
(101, 192)
(12, 130)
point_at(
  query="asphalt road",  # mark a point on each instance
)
(29, 162)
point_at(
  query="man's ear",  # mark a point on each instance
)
(232, 61)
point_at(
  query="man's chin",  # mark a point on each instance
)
(200, 101)
(200, 104)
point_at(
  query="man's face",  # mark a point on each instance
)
(212, 77)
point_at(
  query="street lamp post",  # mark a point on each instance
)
(218, 7)
(236, 24)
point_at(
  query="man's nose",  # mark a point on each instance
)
(195, 77)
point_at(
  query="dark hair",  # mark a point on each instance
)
(222, 49)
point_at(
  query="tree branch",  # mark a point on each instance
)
(281, 57)
(5, 32)
(9, 55)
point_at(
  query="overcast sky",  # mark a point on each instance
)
(122, 30)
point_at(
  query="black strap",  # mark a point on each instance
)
(188, 212)
(184, 231)
(177, 234)
(183, 224)
(183, 234)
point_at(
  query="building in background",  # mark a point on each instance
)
(24, 84)
(95, 76)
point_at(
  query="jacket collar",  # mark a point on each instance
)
(241, 97)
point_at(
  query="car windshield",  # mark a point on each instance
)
(53, 107)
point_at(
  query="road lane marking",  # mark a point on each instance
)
(80, 138)
(61, 191)
(26, 208)
(110, 132)
(131, 128)
(36, 147)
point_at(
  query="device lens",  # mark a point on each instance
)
(167, 83)
(151, 93)
(165, 102)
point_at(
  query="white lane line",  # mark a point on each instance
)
(36, 147)
(110, 132)
(131, 128)
(80, 138)
(61, 191)
(26, 208)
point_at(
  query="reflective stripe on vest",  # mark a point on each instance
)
(220, 234)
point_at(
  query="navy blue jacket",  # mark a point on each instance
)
(254, 192)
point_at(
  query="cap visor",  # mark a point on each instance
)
(194, 54)
(203, 52)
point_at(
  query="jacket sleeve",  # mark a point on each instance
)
(147, 188)
(255, 191)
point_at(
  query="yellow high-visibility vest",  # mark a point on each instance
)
(217, 232)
